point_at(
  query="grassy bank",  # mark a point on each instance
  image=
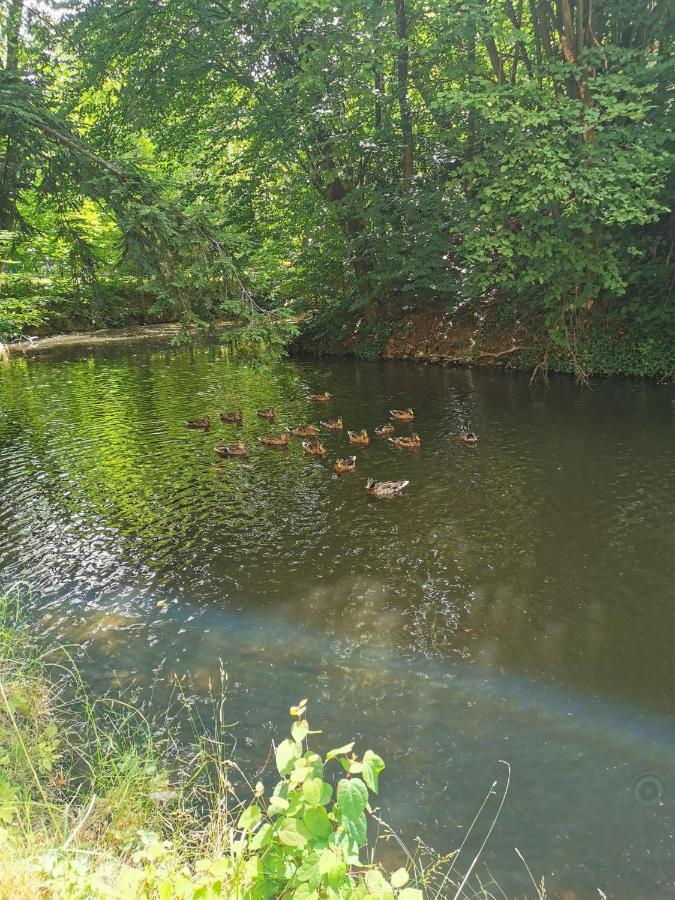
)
(98, 802)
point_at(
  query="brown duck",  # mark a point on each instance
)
(199, 423)
(384, 430)
(469, 438)
(332, 424)
(238, 449)
(320, 398)
(359, 437)
(314, 448)
(274, 440)
(385, 488)
(344, 464)
(232, 417)
(302, 431)
(266, 413)
(407, 443)
(403, 415)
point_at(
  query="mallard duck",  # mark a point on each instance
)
(345, 464)
(385, 488)
(468, 437)
(199, 423)
(358, 437)
(266, 413)
(303, 431)
(384, 430)
(233, 417)
(407, 443)
(320, 398)
(403, 415)
(238, 449)
(332, 424)
(314, 448)
(275, 440)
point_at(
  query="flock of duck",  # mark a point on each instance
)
(315, 447)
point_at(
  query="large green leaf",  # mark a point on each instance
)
(340, 751)
(372, 766)
(357, 829)
(352, 797)
(317, 822)
(249, 818)
(292, 833)
(286, 755)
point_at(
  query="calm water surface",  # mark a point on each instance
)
(517, 604)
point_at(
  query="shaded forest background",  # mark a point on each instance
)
(339, 168)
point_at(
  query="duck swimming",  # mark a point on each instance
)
(314, 448)
(199, 423)
(468, 437)
(233, 417)
(275, 440)
(407, 443)
(384, 430)
(385, 488)
(238, 449)
(332, 424)
(303, 431)
(403, 415)
(320, 398)
(358, 437)
(344, 464)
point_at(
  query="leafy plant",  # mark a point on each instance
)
(307, 838)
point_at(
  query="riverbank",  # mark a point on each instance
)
(162, 331)
(479, 337)
(432, 337)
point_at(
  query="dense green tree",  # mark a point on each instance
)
(508, 159)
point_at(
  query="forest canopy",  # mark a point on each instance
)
(344, 165)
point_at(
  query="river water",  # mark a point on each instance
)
(517, 604)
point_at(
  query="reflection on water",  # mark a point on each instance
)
(515, 605)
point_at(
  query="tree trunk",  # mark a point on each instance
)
(379, 75)
(403, 69)
(9, 167)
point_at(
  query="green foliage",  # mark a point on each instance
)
(347, 167)
(307, 839)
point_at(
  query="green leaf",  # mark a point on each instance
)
(331, 863)
(304, 892)
(249, 818)
(262, 837)
(277, 806)
(292, 834)
(399, 878)
(309, 870)
(410, 894)
(8, 795)
(312, 790)
(326, 793)
(317, 822)
(352, 797)
(340, 751)
(299, 730)
(377, 884)
(357, 829)
(286, 755)
(372, 766)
